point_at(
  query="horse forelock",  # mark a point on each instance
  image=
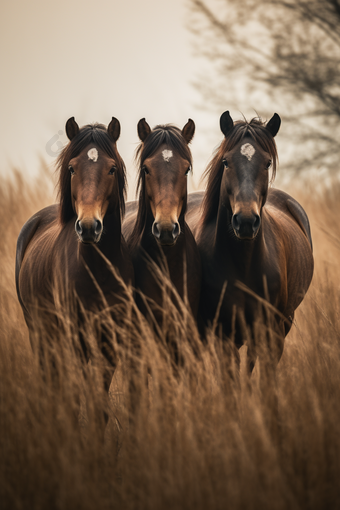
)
(166, 134)
(98, 135)
(255, 129)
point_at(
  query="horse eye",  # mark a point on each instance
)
(188, 170)
(225, 163)
(71, 170)
(269, 164)
(112, 170)
(145, 170)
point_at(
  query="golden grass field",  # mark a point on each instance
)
(200, 441)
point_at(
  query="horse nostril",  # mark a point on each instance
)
(97, 227)
(235, 222)
(257, 222)
(78, 228)
(155, 230)
(176, 230)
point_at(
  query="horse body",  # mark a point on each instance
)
(255, 242)
(157, 232)
(75, 248)
(180, 262)
(53, 256)
(278, 254)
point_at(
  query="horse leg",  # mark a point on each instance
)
(110, 364)
(232, 360)
(138, 393)
(276, 342)
(269, 359)
(269, 350)
(53, 376)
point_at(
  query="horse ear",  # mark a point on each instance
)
(143, 129)
(114, 129)
(188, 131)
(72, 128)
(226, 123)
(273, 125)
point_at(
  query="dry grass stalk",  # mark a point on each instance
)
(202, 439)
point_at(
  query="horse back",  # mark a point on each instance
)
(131, 209)
(193, 212)
(193, 269)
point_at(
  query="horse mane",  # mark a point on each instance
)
(256, 129)
(98, 135)
(171, 136)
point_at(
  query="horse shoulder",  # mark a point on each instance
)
(27, 244)
(31, 228)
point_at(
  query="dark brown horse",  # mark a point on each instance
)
(157, 231)
(255, 241)
(66, 249)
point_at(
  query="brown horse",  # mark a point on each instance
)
(66, 249)
(157, 231)
(255, 241)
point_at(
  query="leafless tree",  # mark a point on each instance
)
(282, 54)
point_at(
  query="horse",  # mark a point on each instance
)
(76, 247)
(155, 226)
(254, 240)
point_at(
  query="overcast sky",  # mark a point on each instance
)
(94, 60)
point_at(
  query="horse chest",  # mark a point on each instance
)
(152, 268)
(62, 263)
(155, 268)
(94, 280)
(233, 276)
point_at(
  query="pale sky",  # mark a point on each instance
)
(94, 60)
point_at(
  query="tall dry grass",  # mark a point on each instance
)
(201, 439)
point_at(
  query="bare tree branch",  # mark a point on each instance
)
(289, 50)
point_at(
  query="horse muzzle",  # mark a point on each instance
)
(246, 227)
(166, 234)
(89, 231)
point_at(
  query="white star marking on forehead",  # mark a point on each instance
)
(93, 154)
(167, 155)
(248, 151)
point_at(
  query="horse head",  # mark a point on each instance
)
(94, 176)
(165, 161)
(247, 155)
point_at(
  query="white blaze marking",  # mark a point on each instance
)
(93, 154)
(248, 151)
(167, 155)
